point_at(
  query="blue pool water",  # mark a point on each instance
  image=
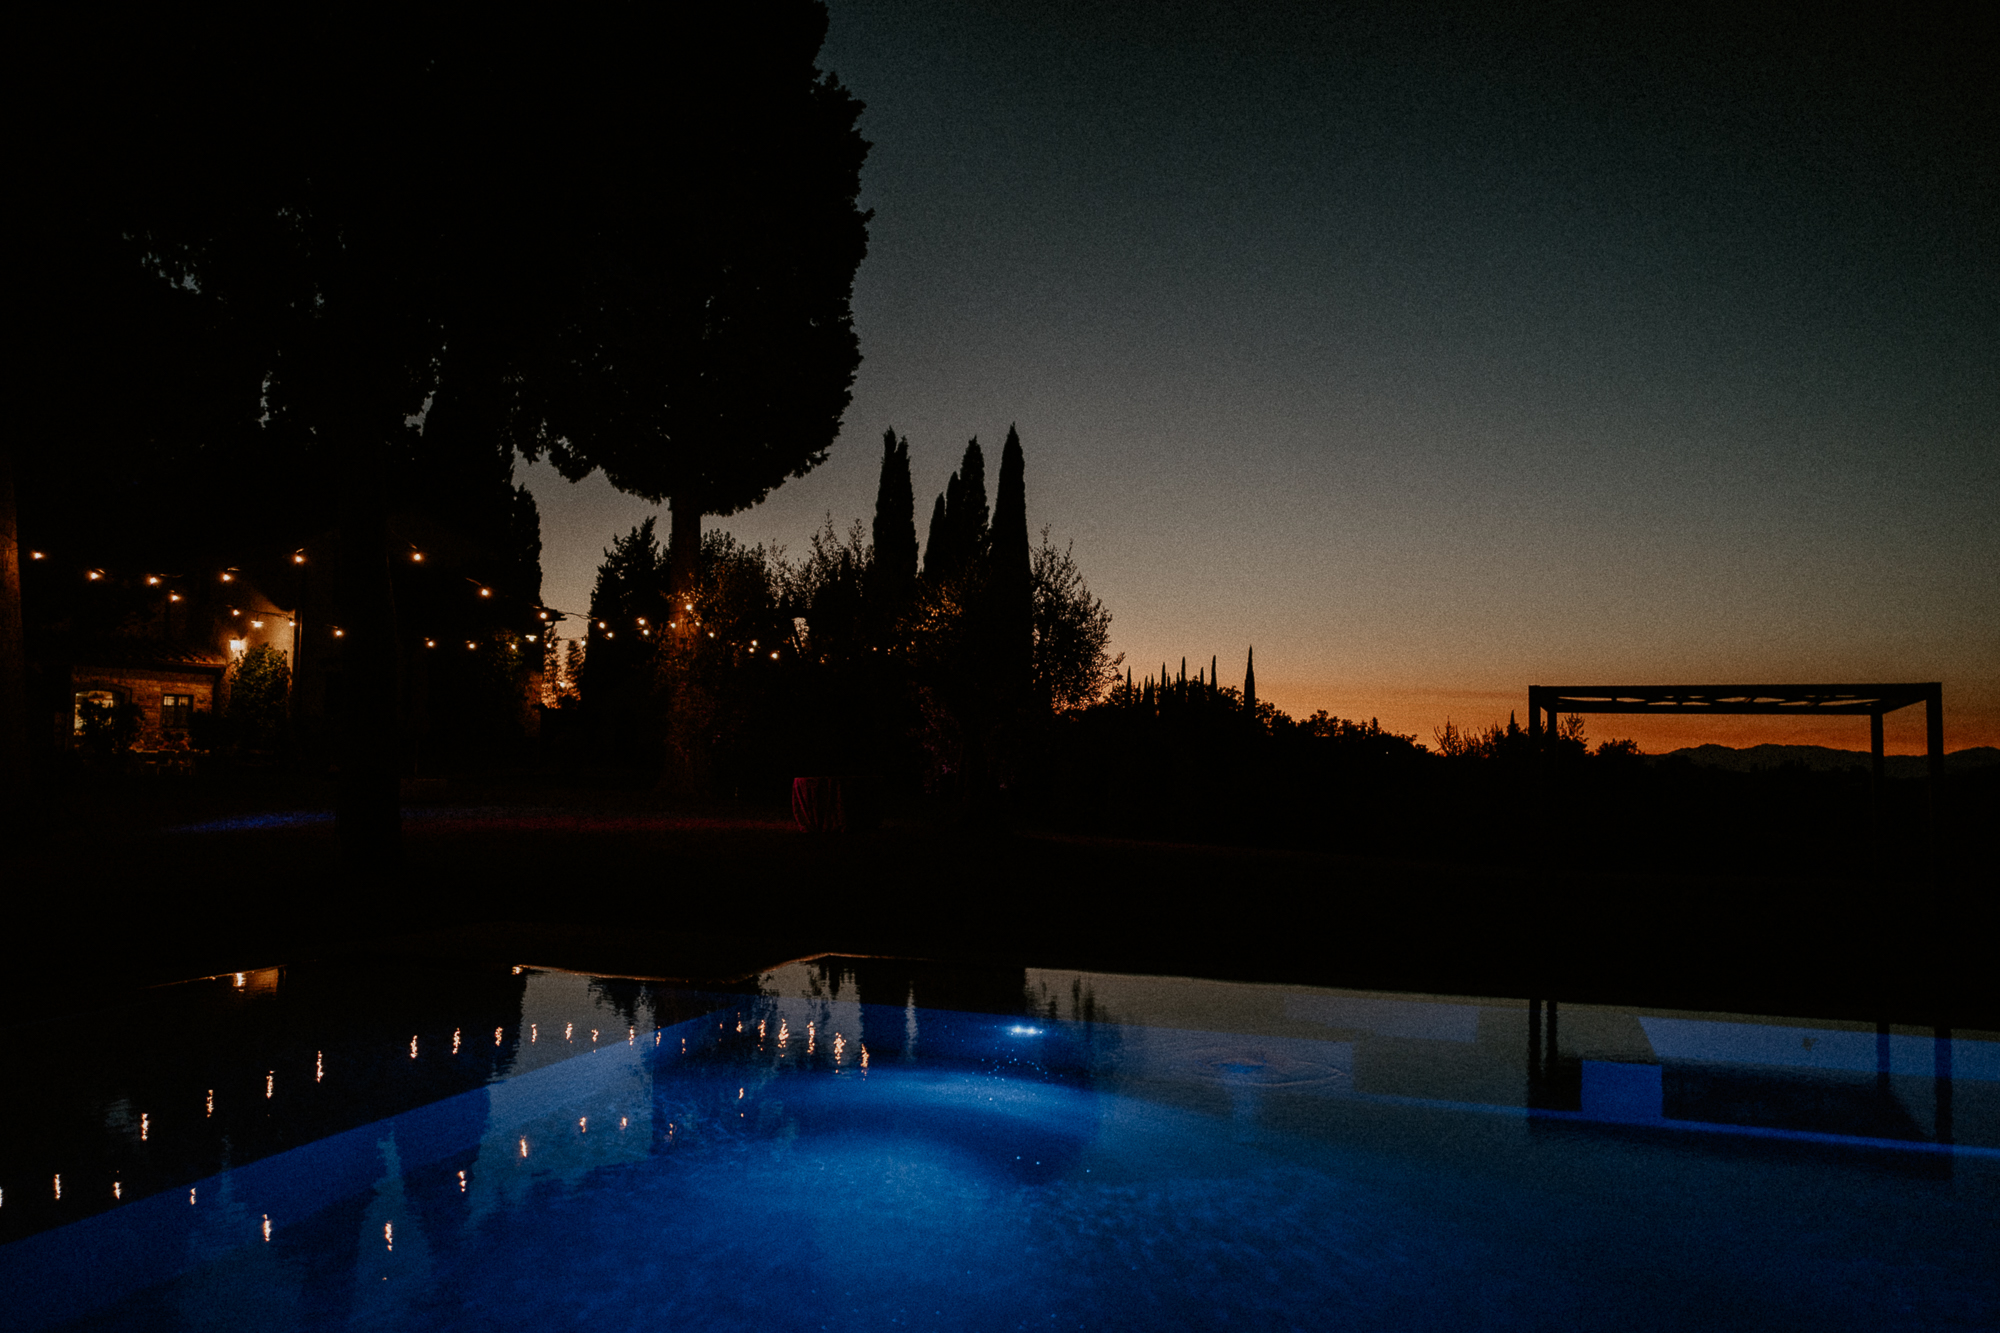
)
(1112, 1152)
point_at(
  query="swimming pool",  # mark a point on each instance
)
(854, 1144)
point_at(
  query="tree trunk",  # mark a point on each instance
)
(684, 547)
(13, 662)
(690, 712)
(368, 814)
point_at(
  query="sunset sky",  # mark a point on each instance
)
(1441, 356)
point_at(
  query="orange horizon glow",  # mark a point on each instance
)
(1969, 721)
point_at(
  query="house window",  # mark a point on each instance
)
(175, 710)
(93, 705)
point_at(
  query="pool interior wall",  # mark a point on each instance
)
(1067, 1150)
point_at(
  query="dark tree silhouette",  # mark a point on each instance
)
(963, 515)
(710, 352)
(893, 572)
(1250, 683)
(935, 539)
(1012, 576)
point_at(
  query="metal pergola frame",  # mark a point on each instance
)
(1768, 700)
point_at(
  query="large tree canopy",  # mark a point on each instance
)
(710, 349)
(624, 235)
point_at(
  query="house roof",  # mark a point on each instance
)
(135, 652)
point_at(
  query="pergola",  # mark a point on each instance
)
(1770, 700)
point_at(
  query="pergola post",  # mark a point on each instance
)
(1934, 753)
(1875, 774)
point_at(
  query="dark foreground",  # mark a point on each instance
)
(132, 887)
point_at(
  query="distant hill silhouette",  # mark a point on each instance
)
(1825, 759)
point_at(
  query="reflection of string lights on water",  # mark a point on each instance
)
(145, 1126)
(58, 1187)
(569, 1031)
(190, 1198)
(319, 1065)
(864, 1055)
(211, 1101)
(413, 1048)
(496, 1036)
(534, 1033)
(812, 1038)
(267, 1227)
(524, 1146)
(839, 1045)
(461, 1182)
(583, 1124)
(784, 1033)
(389, 1235)
(454, 1041)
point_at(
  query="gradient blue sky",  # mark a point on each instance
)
(1438, 354)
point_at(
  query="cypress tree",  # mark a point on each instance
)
(973, 514)
(951, 555)
(936, 540)
(1009, 562)
(894, 573)
(1250, 683)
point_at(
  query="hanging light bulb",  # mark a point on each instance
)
(36, 555)
(173, 597)
(95, 575)
(152, 580)
(486, 592)
(228, 577)
(417, 556)
(339, 633)
(430, 643)
(298, 557)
